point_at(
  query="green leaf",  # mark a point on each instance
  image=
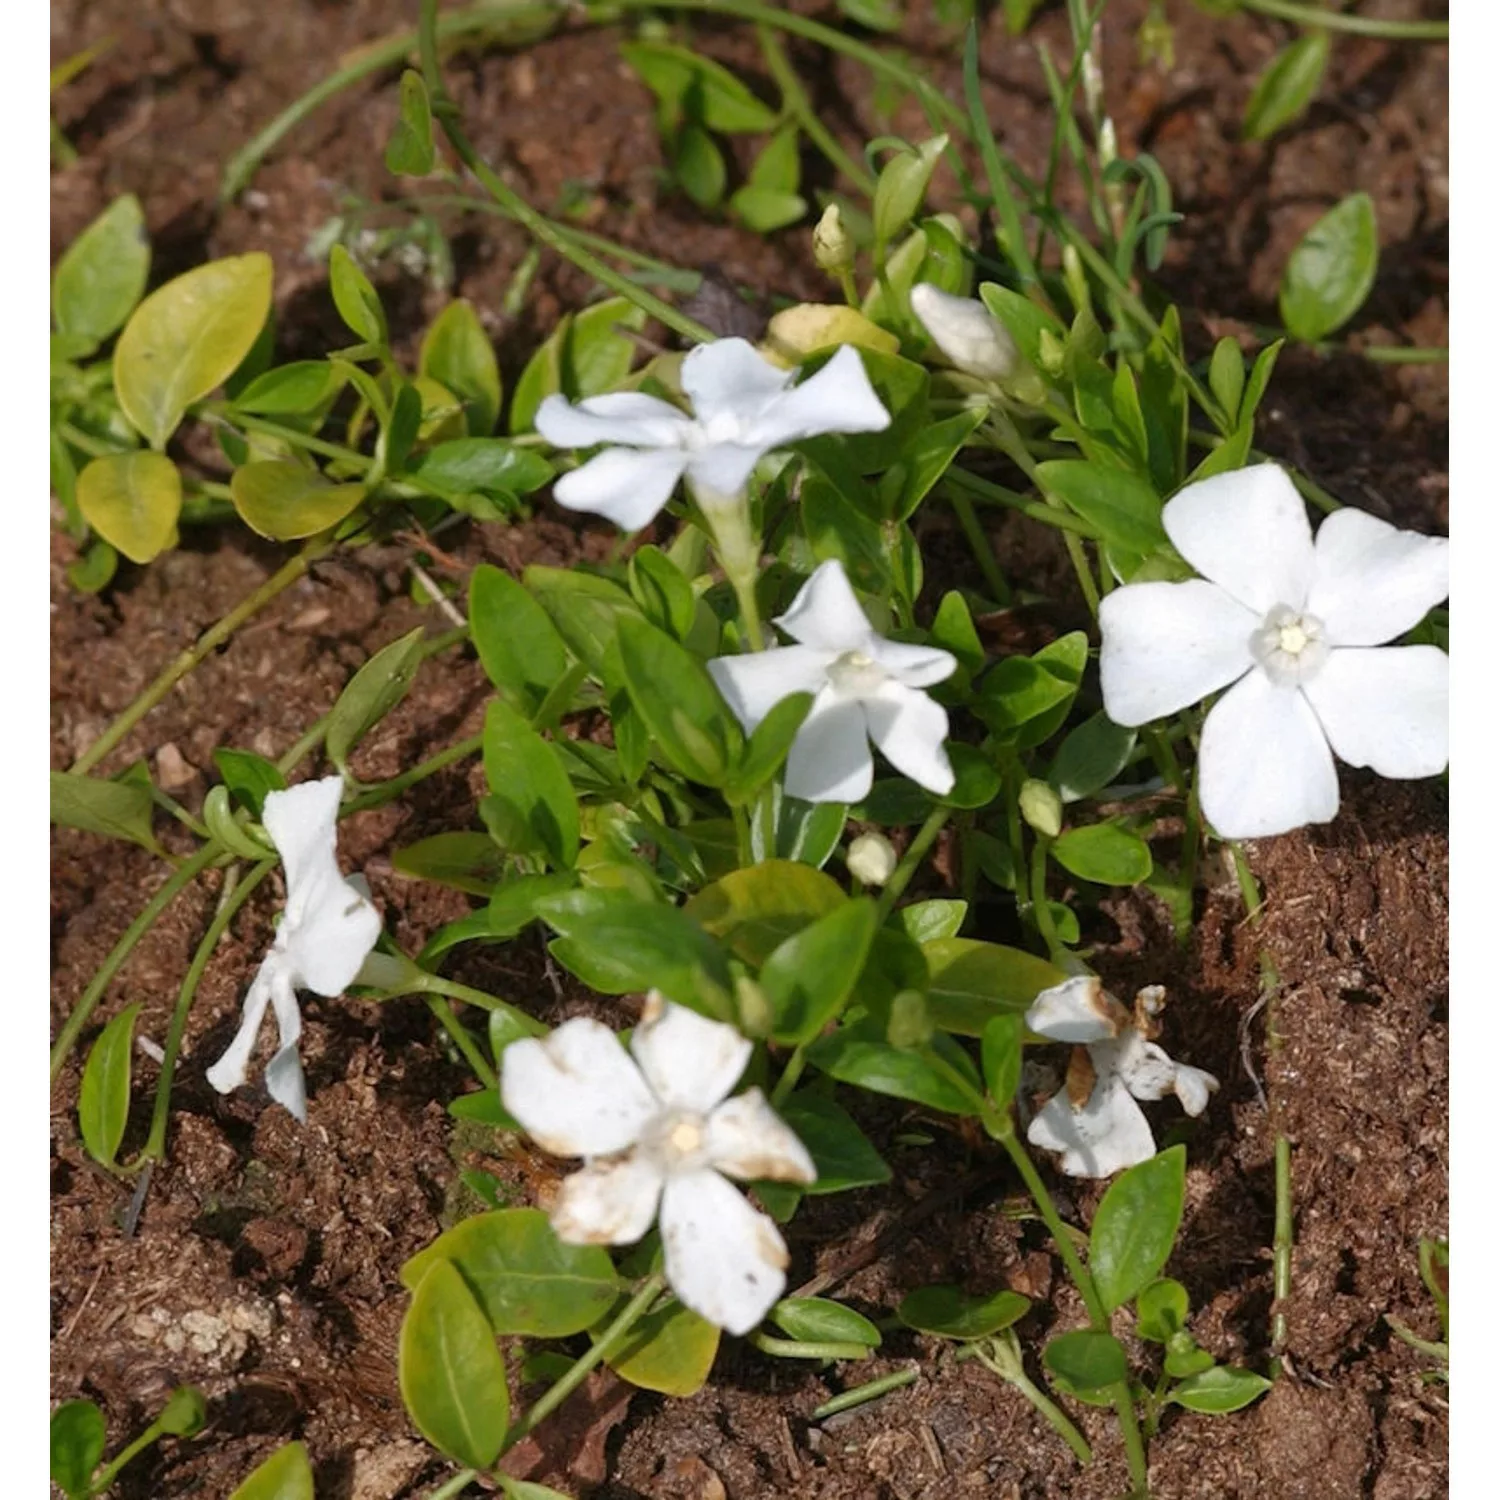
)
(542, 377)
(285, 1475)
(1331, 271)
(371, 694)
(927, 459)
(1226, 375)
(357, 301)
(133, 501)
(662, 590)
(1260, 378)
(805, 831)
(681, 706)
(598, 351)
(1184, 1358)
(670, 1350)
(77, 1444)
(860, 1055)
(409, 151)
(810, 976)
(527, 1281)
(518, 645)
(293, 390)
(681, 77)
(283, 499)
(952, 1313)
(452, 1376)
(116, 809)
(470, 862)
(1221, 1389)
(92, 572)
(1085, 1360)
(619, 944)
(698, 165)
(1123, 508)
(1000, 1058)
(819, 1320)
(755, 910)
(457, 353)
(185, 1412)
(249, 777)
(526, 1489)
(186, 338)
(976, 782)
(953, 630)
(1038, 689)
(902, 185)
(840, 1150)
(524, 769)
(585, 610)
(972, 981)
(765, 210)
(1104, 852)
(764, 753)
(102, 274)
(1283, 92)
(928, 921)
(104, 1095)
(1023, 319)
(1135, 1226)
(1090, 758)
(1161, 1309)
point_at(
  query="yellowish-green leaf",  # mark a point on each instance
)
(187, 337)
(457, 353)
(797, 332)
(102, 273)
(285, 1475)
(284, 500)
(671, 1351)
(132, 500)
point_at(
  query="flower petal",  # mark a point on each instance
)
(1108, 1134)
(721, 472)
(754, 682)
(830, 758)
(826, 614)
(1264, 766)
(302, 821)
(839, 398)
(726, 1261)
(623, 486)
(576, 1092)
(1166, 645)
(1246, 531)
(229, 1072)
(689, 1061)
(1385, 707)
(608, 1202)
(1142, 1066)
(328, 932)
(1373, 581)
(1193, 1086)
(285, 1082)
(628, 417)
(748, 1139)
(1077, 1010)
(730, 379)
(909, 728)
(916, 666)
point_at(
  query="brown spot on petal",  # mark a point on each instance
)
(1150, 1001)
(1081, 1077)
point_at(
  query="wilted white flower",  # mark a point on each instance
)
(325, 934)
(966, 331)
(1095, 1122)
(658, 1134)
(743, 407)
(1294, 624)
(865, 688)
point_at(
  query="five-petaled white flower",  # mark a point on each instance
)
(1094, 1121)
(1291, 623)
(328, 930)
(743, 407)
(661, 1131)
(865, 688)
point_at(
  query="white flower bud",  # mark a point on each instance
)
(833, 250)
(1041, 807)
(872, 859)
(966, 332)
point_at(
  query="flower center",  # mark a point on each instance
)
(1289, 646)
(855, 675)
(678, 1141)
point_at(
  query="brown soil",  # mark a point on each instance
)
(264, 1263)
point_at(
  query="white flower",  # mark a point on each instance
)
(966, 331)
(1292, 624)
(742, 409)
(660, 1132)
(1101, 1129)
(328, 929)
(865, 687)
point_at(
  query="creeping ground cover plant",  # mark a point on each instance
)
(819, 837)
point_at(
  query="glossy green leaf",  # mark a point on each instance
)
(699, 167)
(927, 459)
(527, 1281)
(1123, 508)
(186, 338)
(902, 185)
(927, 921)
(1226, 375)
(452, 1377)
(755, 910)
(371, 694)
(685, 80)
(292, 390)
(1085, 1360)
(1090, 758)
(1184, 1358)
(357, 301)
(818, 1320)
(1161, 1309)
(102, 274)
(585, 610)
(1000, 1058)
(840, 1150)
(952, 1313)
(104, 1095)
(469, 862)
(1023, 319)
(458, 354)
(599, 349)
(116, 809)
(1287, 86)
(973, 980)
(185, 1412)
(518, 645)
(663, 591)
(283, 499)
(1025, 690)
(541, 377)
(1135, 1226)
(285, 1475)
(976, 782)
(249, 777)
(671, 1350)
(1221, 1389)
(77, 1445)
(1260, 378)
(805, 831)
(953, 630)
(524, 769)
(133, 501)
(861, 1055)
(1331, 271)
(409, 152)
(810, 976)
(1104, 852)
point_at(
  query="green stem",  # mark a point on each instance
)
(789, 1076)
(872, 1390)
(450, 1489)
(988, 492)
(1334, 20)
(1001, 1355)
(465, 1043)
(1039, 908)
(182, 877)
(378, 796)
(170, 804)
(234, 898)
(435, 984)
(603, 1347)
(106, 1475)
(978, 539)
(804, 1349)
(264, 425)
(794, 99)
(1281, 1250)
(916, 852)
(211, 639)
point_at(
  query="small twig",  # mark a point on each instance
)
(437, 596)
